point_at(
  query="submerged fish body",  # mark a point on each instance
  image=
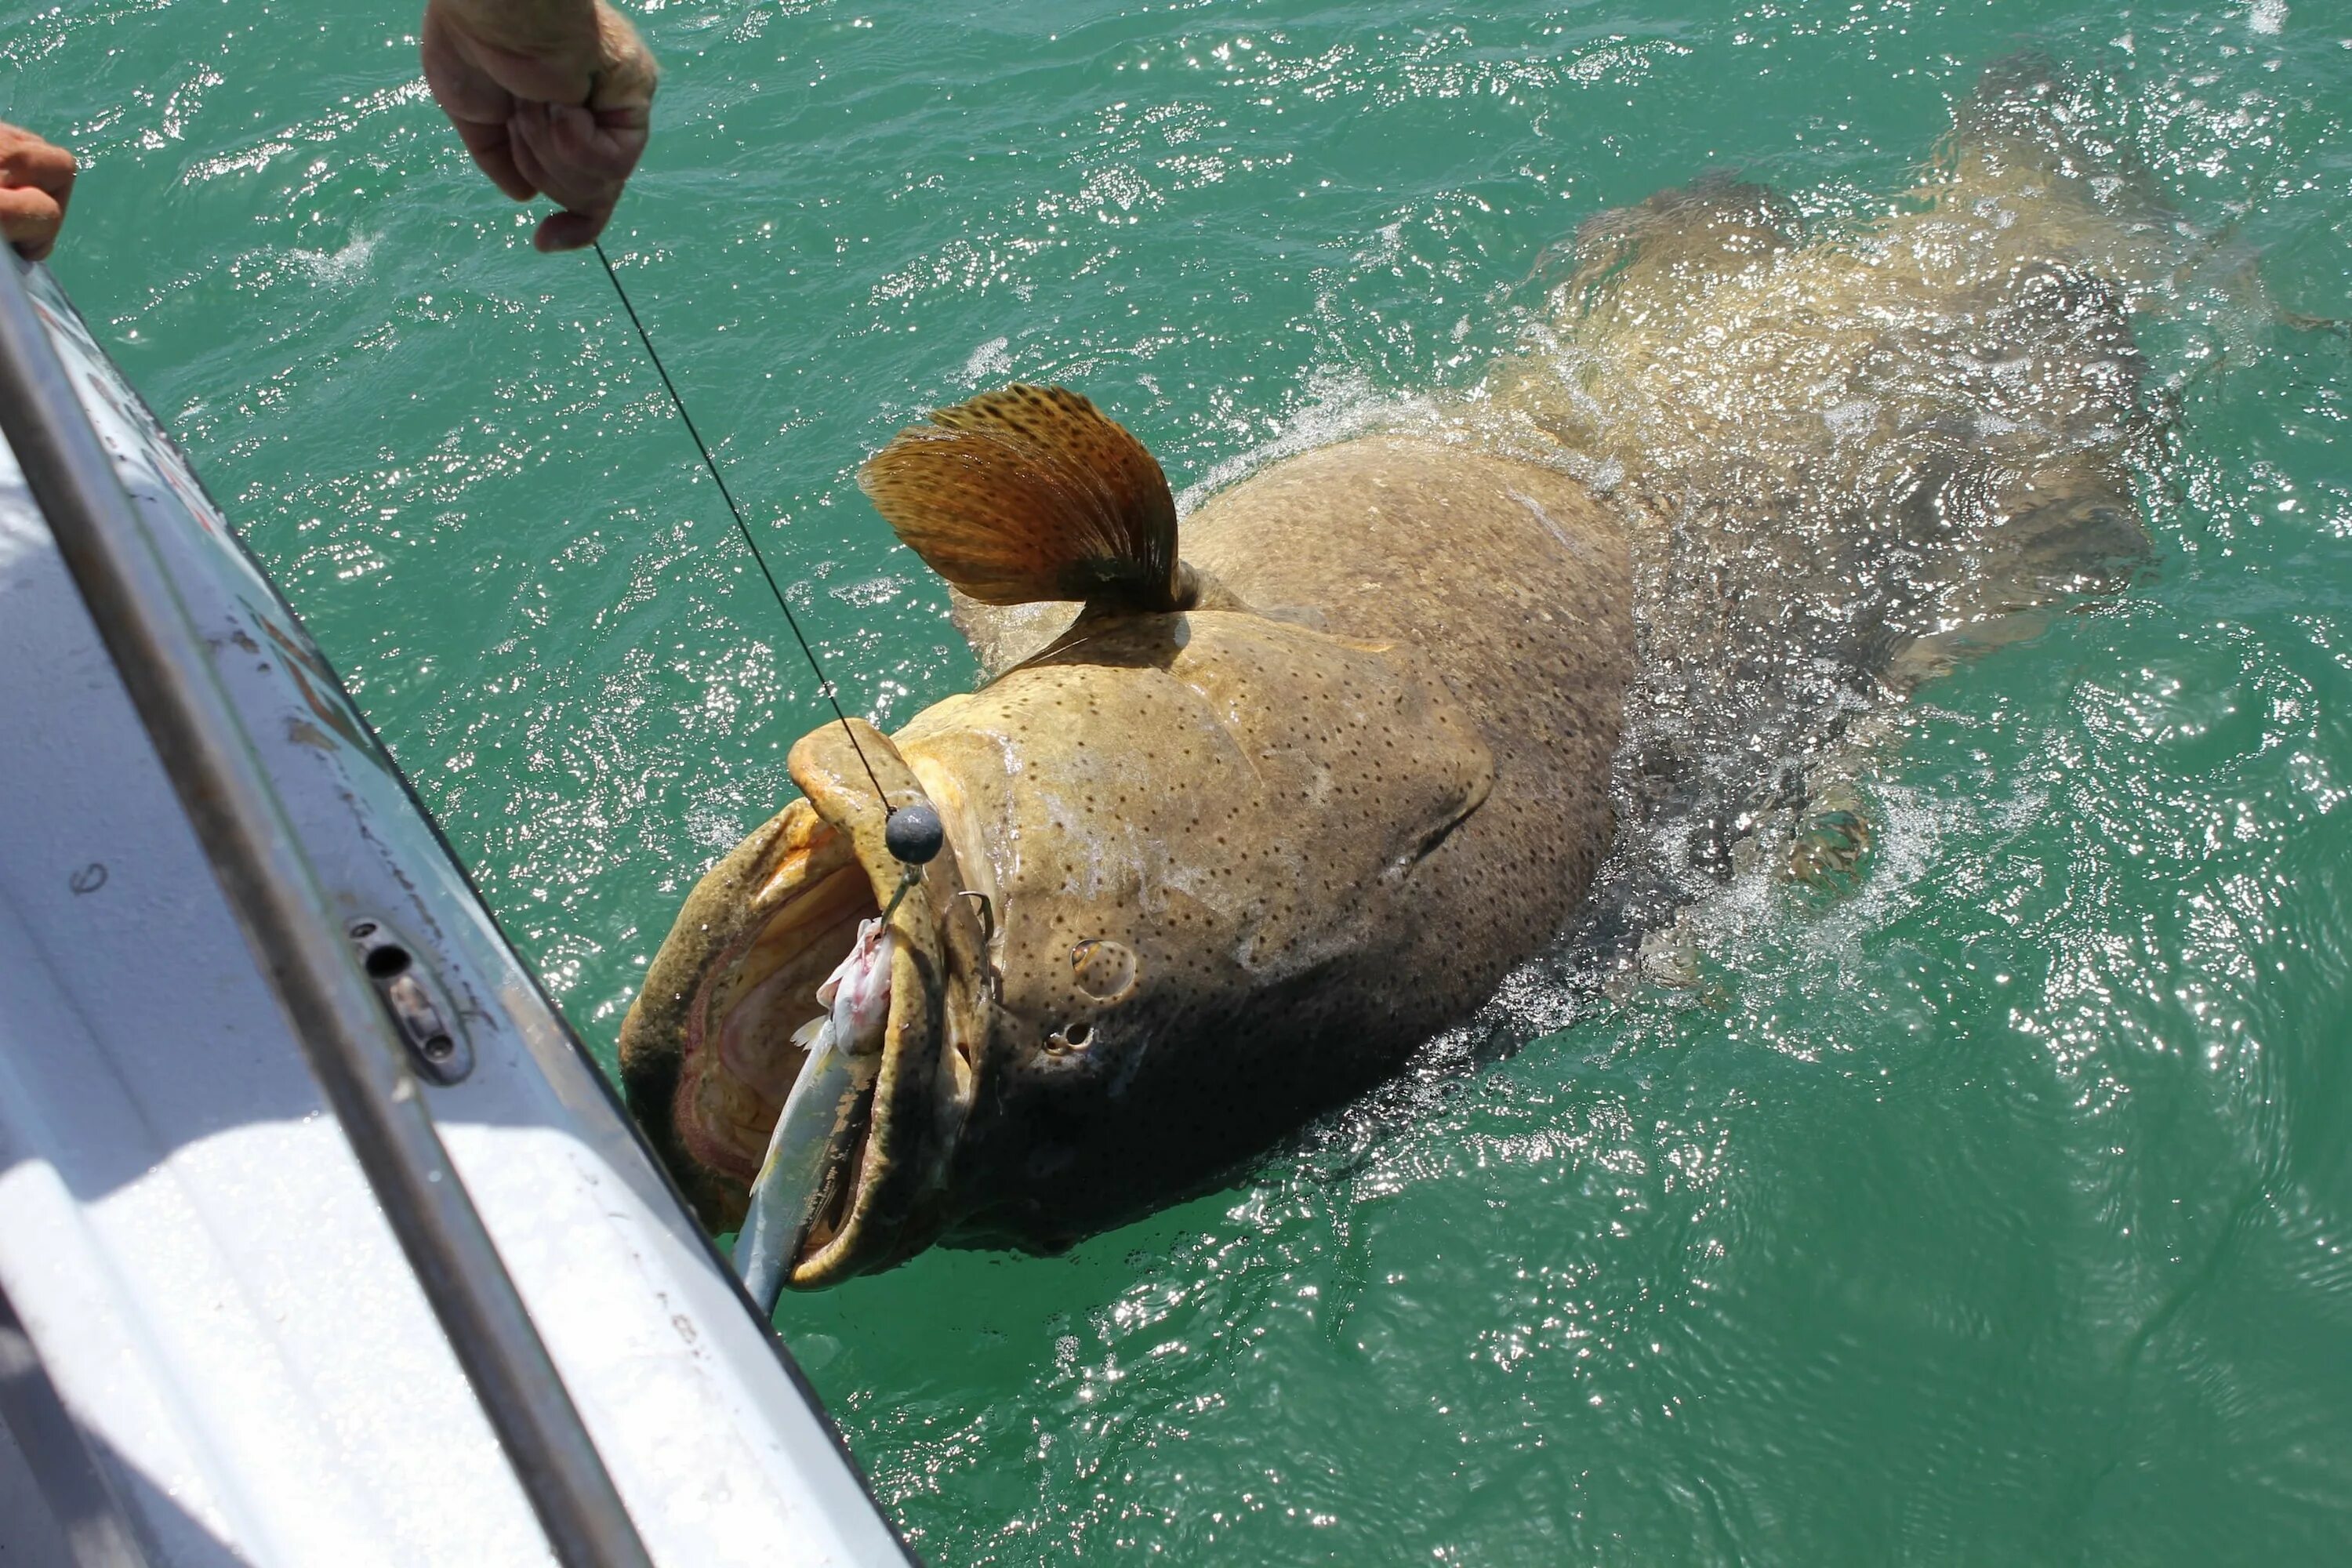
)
(1225, 848)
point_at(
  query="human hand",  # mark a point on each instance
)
(552, 96)
(35, 181)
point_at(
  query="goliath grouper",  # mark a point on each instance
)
(1222, 851)
(1218, 857)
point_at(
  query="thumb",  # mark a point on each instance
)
(29, 219)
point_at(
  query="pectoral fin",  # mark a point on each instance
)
(1032, 493)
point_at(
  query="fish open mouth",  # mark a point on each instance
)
(748, 1027)
(762, 933)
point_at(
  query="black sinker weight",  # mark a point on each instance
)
(914, 834)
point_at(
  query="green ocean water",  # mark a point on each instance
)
(1994, 1212)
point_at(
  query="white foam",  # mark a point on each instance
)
(1339, 405)
(992, 360)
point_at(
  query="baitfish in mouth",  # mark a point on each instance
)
(840, 1051)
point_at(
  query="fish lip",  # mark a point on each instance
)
(901, 1138)
(701, 1112)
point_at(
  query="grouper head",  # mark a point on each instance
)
(1182, 843)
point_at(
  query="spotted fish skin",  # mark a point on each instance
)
(1324, 824)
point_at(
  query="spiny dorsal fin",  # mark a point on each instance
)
(1031, 493)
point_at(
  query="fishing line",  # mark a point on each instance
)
(744, 529)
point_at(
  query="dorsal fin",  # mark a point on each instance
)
(1032, 493)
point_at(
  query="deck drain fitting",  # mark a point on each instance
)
(438, 1053)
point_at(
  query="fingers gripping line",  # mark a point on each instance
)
(35, 183)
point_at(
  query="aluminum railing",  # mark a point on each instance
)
(299, 946)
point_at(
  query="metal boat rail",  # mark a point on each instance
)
(344, 1031)
(397, 991)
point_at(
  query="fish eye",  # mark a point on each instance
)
(1105, 970)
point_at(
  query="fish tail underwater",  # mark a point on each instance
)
(1927, 1140)
(1855, 455)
